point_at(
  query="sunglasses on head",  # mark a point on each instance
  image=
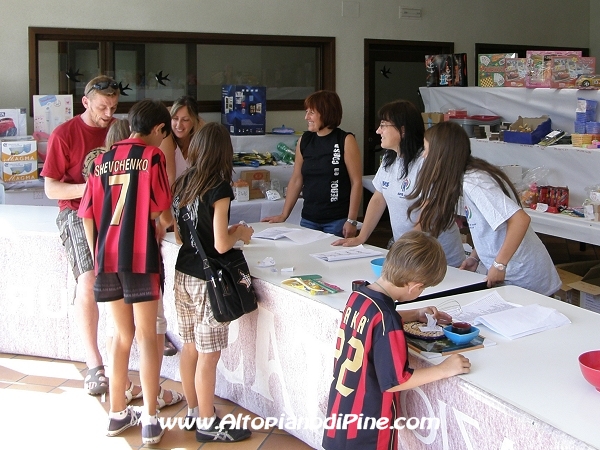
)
(102, 85)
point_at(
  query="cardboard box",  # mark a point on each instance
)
(580, 284)
(15, 149)
(430, 119)
(13, 122)
(538, 66)
(244, 108)
(492, 68)
(589, 289)
(515, 72)
(49, 111)
(446, 70)
(566, 69)
(19, 171)
(541, 126)
(253, 178)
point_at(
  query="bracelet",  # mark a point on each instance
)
(474, 257)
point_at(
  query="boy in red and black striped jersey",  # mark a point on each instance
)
(371, 364)
(126, 191)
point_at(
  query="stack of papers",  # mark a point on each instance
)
(345, 253)
(509, 320)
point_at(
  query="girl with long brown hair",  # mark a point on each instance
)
(504, 241)
(205, 189)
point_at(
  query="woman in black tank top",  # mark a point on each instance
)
(327, 171)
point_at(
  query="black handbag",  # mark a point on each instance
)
(228, 279)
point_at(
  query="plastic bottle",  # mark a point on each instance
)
(285, 153)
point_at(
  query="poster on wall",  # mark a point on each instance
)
(49, 111)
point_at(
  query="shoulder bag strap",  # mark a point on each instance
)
(185, 215)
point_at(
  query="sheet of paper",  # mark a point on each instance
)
(345, 253)
(306, 236)
(518, 322)
(274, 233)
(296, 235)
(490, 303)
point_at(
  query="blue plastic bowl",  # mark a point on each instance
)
(377, 265)
(459, 339)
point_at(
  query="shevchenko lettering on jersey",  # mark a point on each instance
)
(371, 357)
(126, 185)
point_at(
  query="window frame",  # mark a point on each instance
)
(325, 46)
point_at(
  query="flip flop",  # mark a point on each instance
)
(96, 381)
(160, 401)
(129, 393)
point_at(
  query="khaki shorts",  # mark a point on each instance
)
(195, 317)
(73, 238)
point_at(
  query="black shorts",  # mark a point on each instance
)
(131, 287)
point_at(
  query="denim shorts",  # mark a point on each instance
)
(334, 227)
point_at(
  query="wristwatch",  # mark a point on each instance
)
(500, 267)
(352, 222)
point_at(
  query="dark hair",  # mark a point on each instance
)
(146, 114)
(415, 257)
(211, 155)
(328, 105)
(408, 121)
(440, 181)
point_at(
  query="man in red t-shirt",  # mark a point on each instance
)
(68, 146)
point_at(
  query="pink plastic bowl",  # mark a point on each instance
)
(589, 362)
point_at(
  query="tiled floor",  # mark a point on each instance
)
(43, 406)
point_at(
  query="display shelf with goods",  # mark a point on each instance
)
(574, 167)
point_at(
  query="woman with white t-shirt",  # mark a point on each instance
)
(504, 241)
(401, 129)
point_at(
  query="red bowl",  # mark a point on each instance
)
(461, 327)
(589, 362)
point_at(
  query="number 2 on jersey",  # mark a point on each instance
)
(123, 180)
(352, 365)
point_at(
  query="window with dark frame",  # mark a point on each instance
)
(166, 65)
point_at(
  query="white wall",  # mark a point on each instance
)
(464, 22)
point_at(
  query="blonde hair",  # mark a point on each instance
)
(111, 89)
(117, 131)
(415, 257)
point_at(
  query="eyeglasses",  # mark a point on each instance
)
(383, 125)
(102, 85)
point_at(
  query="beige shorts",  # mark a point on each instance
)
(72, 235)
(195, 317)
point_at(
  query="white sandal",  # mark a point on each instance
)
(160, 401)
(129, 393)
